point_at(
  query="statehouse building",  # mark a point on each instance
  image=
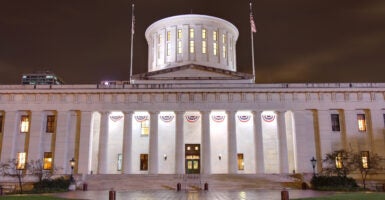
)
(192, 112)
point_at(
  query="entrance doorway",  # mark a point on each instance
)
(193, 152)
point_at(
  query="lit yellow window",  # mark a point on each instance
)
(179, 34)
(224, 51)
(203, 33)
(168, 36)
(179, 47)
(145, 127)
(20, 162)
(24, 124)
(192, 46)
(223, 38)
(241, 163)
(339, 163)
(204, 46)
(215, 35)
(47, 162)
(191, 33)
(215, 48)
(168, 49)
(365, 159)
(361, 122)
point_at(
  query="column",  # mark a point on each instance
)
(103, 143)
(179, 143)
(85, 143)
(232, 142)
(35, 145)
(61, 160)
(11, 123)
(325, 135)
(153, 150)
(206, 160)
(377, 128)
(74, 126)
(283, 154)
(258, 142)
(127, 142)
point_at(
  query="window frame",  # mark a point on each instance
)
(1, 122)
(241, 161)
(24, 124)
(335, 121)
(48, 161)
(50, 124)
(361, 122)
(143, 164)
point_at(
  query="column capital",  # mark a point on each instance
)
(154, 112)
(179, 112)
(104, 112)
(255, 112)
(231, 112)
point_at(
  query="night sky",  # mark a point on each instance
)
(86, 41)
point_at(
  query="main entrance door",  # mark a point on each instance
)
(193, 152)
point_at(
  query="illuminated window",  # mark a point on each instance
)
(365, 159)
(215, 35)
(179, 34)
(168, 36)
(179, 46)
(1, 123)
(241, 163)
(24, 124)
(215, 48)
(50, 126)
(203, 33)
(143, 162)
(361, 122)
(119, 164)
(224, 51)
(145, 127)
(192, 46)
(335, 122)
(47, 162)
(21, 159)
(339, 161)
(223, 38)
(191, 33)
(204, 46)
(168, 49)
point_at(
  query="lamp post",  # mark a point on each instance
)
(313, 162)
(72, 163)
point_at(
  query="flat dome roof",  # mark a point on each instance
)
(192, 19)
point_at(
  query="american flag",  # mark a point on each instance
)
(252, 23)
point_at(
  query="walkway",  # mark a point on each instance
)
(192, 195)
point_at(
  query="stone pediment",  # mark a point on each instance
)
(193, 72)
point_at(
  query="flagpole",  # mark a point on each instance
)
(132, 40)
(252, 30)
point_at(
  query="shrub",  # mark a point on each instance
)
(334, 183)
(51, 185)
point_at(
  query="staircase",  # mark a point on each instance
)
(124, 182)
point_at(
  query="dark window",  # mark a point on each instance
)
(335, 122)
(143, 162)
(50, 127)
(1, 123)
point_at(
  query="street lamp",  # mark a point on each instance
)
(72, 163)
(313, 162)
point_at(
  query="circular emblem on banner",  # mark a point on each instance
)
(116, 118)
(141, 118)
(192, 118)
(218, 118)
(244, 118)
(268, 118)
(167, 118)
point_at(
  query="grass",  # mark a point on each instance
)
(30, 197)
(351, 196)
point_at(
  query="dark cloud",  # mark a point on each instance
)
(298, 40)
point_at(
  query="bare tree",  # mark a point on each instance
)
(12, 169)
(365, 163)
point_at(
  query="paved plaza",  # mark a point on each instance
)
(192, 195)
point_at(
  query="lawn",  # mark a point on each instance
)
(352, 196)
(30, 197)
